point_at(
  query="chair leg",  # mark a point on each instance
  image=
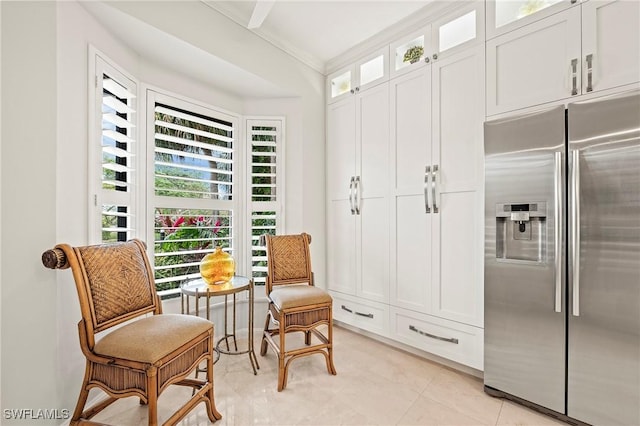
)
(263, 344)
(152, 395)
(212, 412)
(282, 367)
(84, 394)
(330, 366)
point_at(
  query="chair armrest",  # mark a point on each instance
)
(55, 259)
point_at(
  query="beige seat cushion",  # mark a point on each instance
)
(150, 339)
(294, 296)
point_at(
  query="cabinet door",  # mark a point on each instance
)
(535, 64)
(458, 31)
(372, 192)
(458, 114)
(507, 15)
(341, 84)
(410, 153)
(341, 247)
(341, 148)
(411, 52)
(611, 44)
(372, 135)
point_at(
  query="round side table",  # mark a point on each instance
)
(197, 289)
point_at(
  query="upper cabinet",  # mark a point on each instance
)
(589, 47)
(411, 52)
(507, 15)
(444, 36)
(458, 30)
(367, 72)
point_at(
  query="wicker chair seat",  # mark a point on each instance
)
(294, 296)
(145, 340)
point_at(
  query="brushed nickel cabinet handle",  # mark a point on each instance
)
(358, 196)
(427, 177)
(589, 60)
(574, 77)
(344, 308)
(433, 336)
(435, 182)
(352, 195)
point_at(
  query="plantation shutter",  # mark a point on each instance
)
(193, 189)
(115, 199)
(266, 187)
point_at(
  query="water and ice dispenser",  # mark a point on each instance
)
(521, 231)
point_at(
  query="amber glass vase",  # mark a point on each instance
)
(217, 267)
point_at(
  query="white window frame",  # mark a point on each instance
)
(142, 198)
(278, 205)
(98, 64)
(155, 95)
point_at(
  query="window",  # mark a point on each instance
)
(112, 160)
(187, 186)
(193, 187)
(266, 188)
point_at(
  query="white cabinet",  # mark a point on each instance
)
(367, 72)
(437, 115)
(610, 44)
(357, 187)
(358, 312)
(507, 15)
(451, 340)
(589, 47)
(404, 192)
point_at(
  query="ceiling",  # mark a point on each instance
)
(316, 31)
(313, 31)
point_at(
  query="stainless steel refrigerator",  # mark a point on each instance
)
(562, 260)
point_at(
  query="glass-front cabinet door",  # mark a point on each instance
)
(373, 69)
(458, 30)
(507, 15)
(410, 52)
(364, 73)
(341, 84)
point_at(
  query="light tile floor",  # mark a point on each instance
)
(376, 385)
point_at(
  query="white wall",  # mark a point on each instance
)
(44, 115)
(28, 167)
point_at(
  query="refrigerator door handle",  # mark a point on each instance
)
(436, 187)
(575, 230)
(427, 202)
(558, 230)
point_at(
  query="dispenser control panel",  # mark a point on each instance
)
(520, 231)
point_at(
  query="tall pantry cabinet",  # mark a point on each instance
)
(432, 202)
(358, 212)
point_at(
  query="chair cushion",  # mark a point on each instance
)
(152, 338)
(295, 296)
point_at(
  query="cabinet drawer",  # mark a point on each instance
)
(365, 314)
(451, 340)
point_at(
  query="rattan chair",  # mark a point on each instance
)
(295, 304)
(146, 353)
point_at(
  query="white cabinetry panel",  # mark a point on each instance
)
(361, 313)
(593, 46)
(611, 35)
(358, 181)
(458, 342)
(534, 64)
